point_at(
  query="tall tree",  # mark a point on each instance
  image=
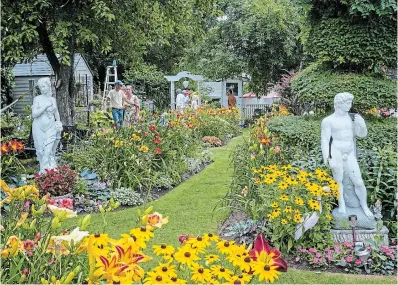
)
(60, 28)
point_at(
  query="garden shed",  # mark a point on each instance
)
(27, 75)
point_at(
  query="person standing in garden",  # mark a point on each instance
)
(180, 101)
(116, 98)
(132, 106)
(231, 100)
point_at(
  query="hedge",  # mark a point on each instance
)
(315, 84)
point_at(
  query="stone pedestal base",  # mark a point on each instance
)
(341, 236)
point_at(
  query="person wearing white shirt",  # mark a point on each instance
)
(180, 101)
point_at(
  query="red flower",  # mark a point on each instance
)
(66, 203)
(13, 145)
(265, 140)
(158, 150)
(261, 245)
(4, 148)
(152, 128)
(157, 140)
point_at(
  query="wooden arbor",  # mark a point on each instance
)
(172, 79)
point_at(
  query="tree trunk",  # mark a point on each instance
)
(64, 89)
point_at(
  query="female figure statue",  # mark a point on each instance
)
(46, 127)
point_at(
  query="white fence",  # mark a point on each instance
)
(248, 110)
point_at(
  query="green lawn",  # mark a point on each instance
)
(190, 209)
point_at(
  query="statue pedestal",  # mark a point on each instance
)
(353, 207)
(340, 236)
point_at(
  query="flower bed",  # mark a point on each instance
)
(37, 250)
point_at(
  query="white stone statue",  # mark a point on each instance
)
(180, 101)
(46, 127)
(339, 152)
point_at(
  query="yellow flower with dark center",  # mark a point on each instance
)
(276, 212)
(274, 204)
(225, 247)
(265, 269)
(284, 222)
(155, 278)
(210, 258)
(299, 201)
(199, 242)
(297, 218)
(200, 274)
(288, 209)
(284, 197)
(243, 278)
(185, 255)
(283, 185)
(175, 280)
(165, 270)
(143, 232)
(163, 249)
(287, 167)
(132, 239)
(329, 217)
(221, 272)
(211, 237)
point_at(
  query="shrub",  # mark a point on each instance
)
(342, 41)
(298, 132)
(56, 182)
(127, 196)
(320, 86)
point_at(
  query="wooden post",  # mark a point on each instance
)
(172, 96)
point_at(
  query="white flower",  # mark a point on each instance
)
(62, 211)
(76, 235)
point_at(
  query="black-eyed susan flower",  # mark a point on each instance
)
(284, 221)
(163, 249)
(274, 204)
(284, 197)
(265, 269)
(225, 247)
(155, 278)
(221, 272)
(211, 258)
(165, 270)
(243, 278)
(185, 255)
(143, 232)
(288, 209)
(176, 280)
(283, 185)
(211, 237)
(299, 201)
(200, 274)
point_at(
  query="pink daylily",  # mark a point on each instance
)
(261, 245)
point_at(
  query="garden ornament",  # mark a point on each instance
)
(46, 126)
(339, 153)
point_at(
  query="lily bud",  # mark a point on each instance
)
(32, 224)
(55, 224)
(86, 222)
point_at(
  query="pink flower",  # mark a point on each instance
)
(26, 205)
(297, 258)
(312, 250)
(277, 149)
(358, 261)
(337, 248)
(66, 203)
(318, 254)
(252, 156)
(25, 272)
(329, 257)
(348, 244)
(28, 245)
(53, 202)
(38, 236)
(315, 261)
(349, 259)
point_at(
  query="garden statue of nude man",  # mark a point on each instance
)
(338, 150)
(46, 126)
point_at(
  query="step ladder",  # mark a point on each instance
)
(110, 79)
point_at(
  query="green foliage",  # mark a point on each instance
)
(352, 44)
(126, 196)
(298, 132)
(317, 85)
(379, 172)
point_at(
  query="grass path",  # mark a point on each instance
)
(190, 210)
(189, 206)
